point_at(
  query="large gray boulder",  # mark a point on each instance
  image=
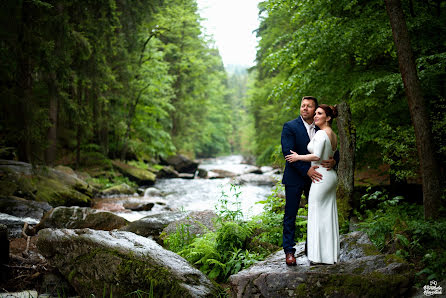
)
(121, 189)
(20, 207)
(361, 272)
(16, 224)
(195, 223)
(167, 172)
(57, 187)
(255, 179)
(182, 164)
(118, 263)
(79, 218)
(153, 225)
(140, 176)
(218, 174)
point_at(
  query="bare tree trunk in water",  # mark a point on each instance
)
(346, 167)
(430, 171)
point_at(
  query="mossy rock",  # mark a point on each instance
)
(57, 194)
(44, 184)
(23, 208)
(123, 189)
(153, 225)
(195, 222)
(118, 263)
(361, 272)
(16, 184)
(140, 176)
(79, 218)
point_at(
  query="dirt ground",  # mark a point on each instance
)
(29, 270)
(25, 268)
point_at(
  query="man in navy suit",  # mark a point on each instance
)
(296, 135)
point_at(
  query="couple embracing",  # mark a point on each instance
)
(309, 147)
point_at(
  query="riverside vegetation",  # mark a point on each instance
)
(397, 228)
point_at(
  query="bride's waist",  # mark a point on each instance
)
(321, 168)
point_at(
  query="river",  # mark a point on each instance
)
(206, 194)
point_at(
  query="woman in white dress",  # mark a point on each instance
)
(322, 226)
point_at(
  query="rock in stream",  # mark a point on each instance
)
(361, 272)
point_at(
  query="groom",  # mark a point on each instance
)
(296, 134)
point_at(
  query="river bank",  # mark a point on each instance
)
(174, 215)
(32, 198)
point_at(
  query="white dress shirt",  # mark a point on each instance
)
(311, 130)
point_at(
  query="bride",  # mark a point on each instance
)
(322, 227)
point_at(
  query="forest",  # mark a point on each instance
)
(84, 83)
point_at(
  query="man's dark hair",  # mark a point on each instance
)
(311, 98)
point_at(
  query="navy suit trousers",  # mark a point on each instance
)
(292, 195)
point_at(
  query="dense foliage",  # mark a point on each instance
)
(125, 79)
(344, 51)
(237, 242)
(397, 227)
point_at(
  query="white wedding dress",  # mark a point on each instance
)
(322, 226)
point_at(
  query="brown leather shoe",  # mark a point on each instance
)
(290, 259)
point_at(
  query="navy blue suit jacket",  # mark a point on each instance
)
(295, 137)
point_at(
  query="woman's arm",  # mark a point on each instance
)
(295, 157)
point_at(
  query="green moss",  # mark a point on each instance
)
(14, 184)
(342, 202)
(301, 290)
(374, 284)
(369, 249)
(7, 188)
(57, 194)
(156, 277)
(129, 275)
(392, 258)
(72, 275)
(359, 269)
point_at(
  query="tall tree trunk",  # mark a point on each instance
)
(130, 116)
(346, 167)
(24, 85)
(417, 105)
(105, 130)
(80, 93)
(179, 96)
(50, 153)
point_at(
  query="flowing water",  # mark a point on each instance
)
(202, 194)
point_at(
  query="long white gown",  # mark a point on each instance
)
(322, 226)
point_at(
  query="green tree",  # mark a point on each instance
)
(344, 51)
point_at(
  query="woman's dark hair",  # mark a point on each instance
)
(331, 111)
(311, 98)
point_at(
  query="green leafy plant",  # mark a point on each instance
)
(398, 227)
(180, 239)
(272, 218)
(223, 252)
(232, 235)
(229, 205)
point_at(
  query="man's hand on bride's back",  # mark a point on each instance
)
(313, 174)
(329, 163)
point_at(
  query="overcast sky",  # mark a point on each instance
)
(231, 22)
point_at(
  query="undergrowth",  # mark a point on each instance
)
(236, 243)
(395, 226)
(106, 182)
